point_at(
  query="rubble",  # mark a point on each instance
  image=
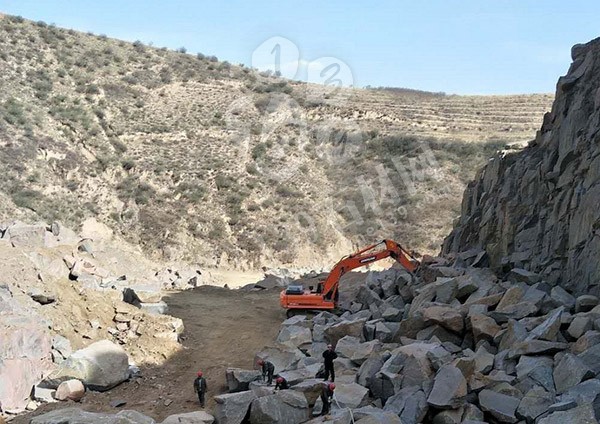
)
(77, 416)
(455, 362)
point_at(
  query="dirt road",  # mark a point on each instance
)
(223, 328)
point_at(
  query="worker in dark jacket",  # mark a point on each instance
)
(281, 383)
(329, 355)
(268, 369)
(200, 387)
(327, 397)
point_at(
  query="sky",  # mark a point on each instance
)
(454, 46)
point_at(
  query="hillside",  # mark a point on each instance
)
(203, 161)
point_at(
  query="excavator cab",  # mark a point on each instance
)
(326, 296)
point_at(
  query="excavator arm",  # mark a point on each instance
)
(365, 257)
(326, 297)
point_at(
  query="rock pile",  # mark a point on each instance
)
(458, 345)
(77, 416)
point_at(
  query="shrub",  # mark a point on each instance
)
(138, 45)
(259, 151)
(251, 169)
(26, 198)
(193, 192)
(224, 182)
(13, 113)
(130, 79)
(91, 89)
(132, 189)
(128, 164)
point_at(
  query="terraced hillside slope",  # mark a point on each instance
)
(199, 160)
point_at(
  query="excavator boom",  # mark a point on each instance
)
(326, 295)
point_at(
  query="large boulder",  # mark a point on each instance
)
(295, 336)
(286, 406)
(484, 327)
(352, 348)
(591, 357)
(501, 407)
(369, 369)
(446, 316)
(410, 404)
(238, 380)
(548, 330)
(197, 417)
(536, 370)
(407, 366)
(282, 357)
(585, 392)
(570, 371)
(535, 347)
(100, 366)
(449, 388)
(232, 408)
(583, 414)
(534, 403)
(78, 416)
(311, 388)
(351, 395)
(372, 415)
(345, 328)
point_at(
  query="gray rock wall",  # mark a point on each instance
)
(539, 209)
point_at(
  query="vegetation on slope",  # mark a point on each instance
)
(202, 160)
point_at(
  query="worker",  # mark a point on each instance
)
(200, 387)
(281, 383)
(267, 371)
(329, 355)
(327, 397)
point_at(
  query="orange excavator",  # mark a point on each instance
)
(325, 297)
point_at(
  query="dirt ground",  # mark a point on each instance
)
(223, 328)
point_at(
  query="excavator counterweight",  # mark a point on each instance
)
(326, 295)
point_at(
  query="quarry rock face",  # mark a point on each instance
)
(537, 209)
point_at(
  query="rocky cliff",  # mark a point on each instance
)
(539, 208)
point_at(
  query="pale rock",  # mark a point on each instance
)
(232, 408)
(70, 390)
